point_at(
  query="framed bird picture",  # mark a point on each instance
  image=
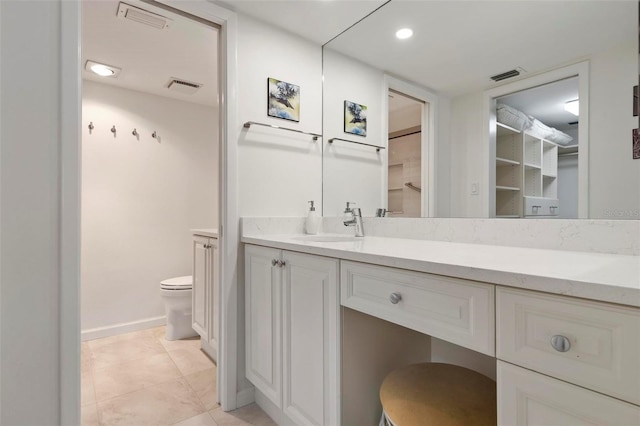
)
(355, 118)
(283, 100)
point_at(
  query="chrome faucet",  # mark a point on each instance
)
(381, 212)
(356, 220)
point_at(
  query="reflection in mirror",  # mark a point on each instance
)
(455, 49)
(404, 186)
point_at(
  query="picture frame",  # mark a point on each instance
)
(283, 100)
(355, 118)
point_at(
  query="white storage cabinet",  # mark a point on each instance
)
(292, 333)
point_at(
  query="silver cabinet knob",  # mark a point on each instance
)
(395, 298)
(275, 262)
(283, 263)
(560, 343)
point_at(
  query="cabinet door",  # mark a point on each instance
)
(310, 339)
(199, 293)
(526, 398)
(263, 321)
(213, 306)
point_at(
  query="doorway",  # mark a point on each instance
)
(404, 184)
(151, 126)
(523, 186)
(410, 188)
(550, 115)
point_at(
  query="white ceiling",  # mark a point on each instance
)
(546, 103)
(315, 20)
(457, 45)
(149, 57)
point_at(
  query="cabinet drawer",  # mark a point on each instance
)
(528, 398)
(458, 311)
(604, 340)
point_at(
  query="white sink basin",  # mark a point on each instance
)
(328, 238)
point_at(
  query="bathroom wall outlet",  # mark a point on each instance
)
(475, 188)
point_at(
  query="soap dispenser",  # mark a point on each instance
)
(312, 224)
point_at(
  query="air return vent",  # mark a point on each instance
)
(505, 75)
(183, 86)
(143, 17)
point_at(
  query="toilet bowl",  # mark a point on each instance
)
(176, 295)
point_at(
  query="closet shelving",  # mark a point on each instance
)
(508, 172)
(526, 173)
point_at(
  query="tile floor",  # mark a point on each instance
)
(142, 379)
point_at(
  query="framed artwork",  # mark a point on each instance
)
(355, 118)
(636, 144)
(635, 101)
(283, 100)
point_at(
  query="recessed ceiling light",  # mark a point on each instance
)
(404, 33)
(573, 107)
(102, 70)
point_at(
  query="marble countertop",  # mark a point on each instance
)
(603, 277)
(209, 232)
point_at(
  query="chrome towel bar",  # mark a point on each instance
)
(248, 124)
(377, 147)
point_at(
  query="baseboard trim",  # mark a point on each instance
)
(113, 330)
(245, 397)
(272, 410)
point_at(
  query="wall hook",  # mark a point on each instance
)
(154, 135)
(113, 129)
(91, 126)
(135, 133)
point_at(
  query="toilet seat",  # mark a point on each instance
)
(178, 283)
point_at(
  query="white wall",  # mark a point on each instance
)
(30, 212)
(613, 174)
(612, 77)
(140, 197)
(568, 186)
(466, 145)
(352, 172)
(279, 171)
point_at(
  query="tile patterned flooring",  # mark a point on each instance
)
(141, 378)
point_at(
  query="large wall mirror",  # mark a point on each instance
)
(490, 109)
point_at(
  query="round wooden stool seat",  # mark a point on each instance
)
(438, 394)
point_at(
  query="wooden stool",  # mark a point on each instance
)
(438, 394)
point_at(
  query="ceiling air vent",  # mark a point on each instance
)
(505, 75)
(183, 86)
(142, 16)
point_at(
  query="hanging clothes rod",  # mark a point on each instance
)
(250, 123)
(412, 186)
(377, 147)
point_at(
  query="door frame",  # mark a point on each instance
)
(428, 139)
(580, 70)
(70, 161)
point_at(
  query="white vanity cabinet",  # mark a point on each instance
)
(588, 354)
(205, 315)
(292, 333)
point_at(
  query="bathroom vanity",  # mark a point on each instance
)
(562, 326)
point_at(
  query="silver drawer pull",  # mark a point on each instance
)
(395, 298)
(560, 343)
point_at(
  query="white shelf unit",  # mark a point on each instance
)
(549, 169)
(508, 172)
(526, 166)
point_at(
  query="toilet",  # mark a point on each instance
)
(176, 295)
